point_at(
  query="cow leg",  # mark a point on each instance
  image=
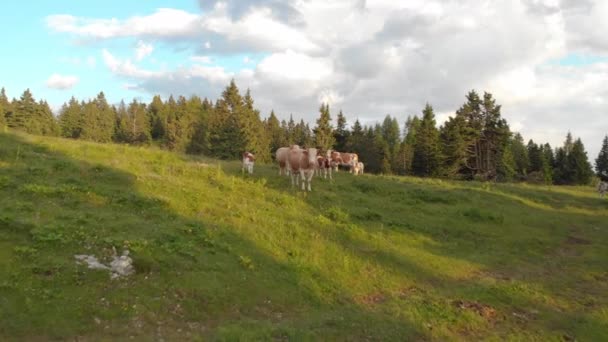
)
(309, 182)
(303, 176)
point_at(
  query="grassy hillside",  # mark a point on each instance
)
(223, 256)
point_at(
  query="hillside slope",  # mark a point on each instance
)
(225, 256)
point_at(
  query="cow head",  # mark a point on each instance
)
(311, 154)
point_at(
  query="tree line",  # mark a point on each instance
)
(475, 143)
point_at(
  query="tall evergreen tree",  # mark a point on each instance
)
(601, 162)
(579, 165)
(158, 118)
(69, 119)
(426, 149)
(341, 134)
(520, 155)
(324, 137)
(121, 133)
(276, 133)
(535, 156)
(453, 146)
(356, 139)
(138, 124)
(23, 112)
(45, 121)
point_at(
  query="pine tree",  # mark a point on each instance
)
(158, 119)
(341, 134)
(200, 138)
(563, 171)
(105, 120)
(560, 168)
(579, 165)
(454, 147)
(226, 136)
(535, 157)
(601, 162)
(324, 138)
(122, 133)
(277, 135)
(356, 139)
(138, 124)
(520, 155)
(426, 149)
(24, 110)
(46, 121)
(506, 170)
(69, 119)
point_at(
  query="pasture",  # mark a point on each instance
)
(221, 255)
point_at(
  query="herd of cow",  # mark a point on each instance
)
(303, 163)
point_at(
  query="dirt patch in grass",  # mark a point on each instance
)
(483, 310)
(372, 299)
(574, 240)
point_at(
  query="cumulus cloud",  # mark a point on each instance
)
(143, 50)
(61, 82)
(378, 57)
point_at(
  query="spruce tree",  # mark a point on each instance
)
(121, 133)
(520, 155)
(46, 120)
(601, 162)
(535, 156)
(341, 134)
(356, 138)
(69, 119)
(453, 146)
(274, 130)
(579, 165)
(158, 119)
(323, 132)
(138, 124)
(24, 111)
(426, 149)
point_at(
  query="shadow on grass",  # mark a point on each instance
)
(541, 267)
(195, 277)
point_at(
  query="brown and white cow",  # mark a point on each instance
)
(302, 163)
(344, 159)
(282, 157)
(248, 161)
(358, 169)
(602, 188)
(323, 167)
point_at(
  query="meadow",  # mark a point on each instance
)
(223, 256)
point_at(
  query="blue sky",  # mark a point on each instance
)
(33, 53)
(545, 61)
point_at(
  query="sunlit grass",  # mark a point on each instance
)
(221, 255)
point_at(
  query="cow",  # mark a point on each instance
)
(602, 188)
(334, 159)
(359, 168)
(282, 157)
(248, 161)
(302, 163)
(344, 159)
(323, 167)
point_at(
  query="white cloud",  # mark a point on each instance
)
(373, 57)
(143, 50)
(201, 59)
(91, 61)
(61, 82)
(165, 22)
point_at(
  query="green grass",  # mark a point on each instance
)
(225, 256)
